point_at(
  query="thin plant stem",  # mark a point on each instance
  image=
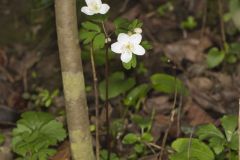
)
(171, 119)
(204, 18)
(220, 12)
(106, 92)
(239, 131)
(96, 95)
(190, 144)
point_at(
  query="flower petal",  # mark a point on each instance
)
(104, 8)
(117, 47)
(87, 11)
(90, 2)
(126, 57)
(123, 37)
(136, 38)
(138, 50)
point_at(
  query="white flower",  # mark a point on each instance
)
(95, 7)
(138, 30)
(127, 45)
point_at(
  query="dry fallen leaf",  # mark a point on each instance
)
(191, 49)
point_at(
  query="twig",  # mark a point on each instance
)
(239, 131)
(96, 95)
(220, 12)
(124, 6)
(106, 92)
(179, 115)
(204, 19)
(189, 144)
(171, 120)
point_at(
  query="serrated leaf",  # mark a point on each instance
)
(215, 57)
(99, 41)
(104, 155)
(234, 142)
(167, 84)
(142, 122)
(209, 131)
(91, 26)
(191, 149)
(217, 144)
(118, 84)
(229, 124)
(87, 36)
(35, 133)
(130, 138)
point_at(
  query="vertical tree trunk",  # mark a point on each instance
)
(73, 80)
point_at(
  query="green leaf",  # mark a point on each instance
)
(229, 124)
(135, 94)
(135, 24)
(234, 142)
(131, 64)
(35, 133)
(167, 84)
(209, 131)
(2, 138)
(87, 36)
(234, 48)
(91, 26)
(146, 45)
(104, 155)
(118, 84)
(121, 25)
(142, 122)
(217, 144)
(230, 58)
(130, 138)
(194, 149)
(215, 57)
(117, 126)
(99, 41)
(139, 148)
(189, 23)
(146, 137)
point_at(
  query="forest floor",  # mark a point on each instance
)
(29, 63)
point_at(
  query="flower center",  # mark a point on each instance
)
(128, 47)
(94, 6)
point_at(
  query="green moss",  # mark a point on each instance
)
(73, 84)
(82, 150)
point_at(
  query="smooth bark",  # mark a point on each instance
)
(73, 80)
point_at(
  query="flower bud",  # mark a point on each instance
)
(138, 30)
(107, 40)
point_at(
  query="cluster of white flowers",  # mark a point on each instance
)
(127, 44)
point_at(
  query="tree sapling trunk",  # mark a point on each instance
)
(73, 80)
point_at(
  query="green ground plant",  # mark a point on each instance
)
(210, 143)
(35, 135)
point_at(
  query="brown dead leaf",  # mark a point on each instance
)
(191, 49)
(202, 83)
(3, 57)
(63, 152)
(205, 100)
(196, 115)
(160, 104)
